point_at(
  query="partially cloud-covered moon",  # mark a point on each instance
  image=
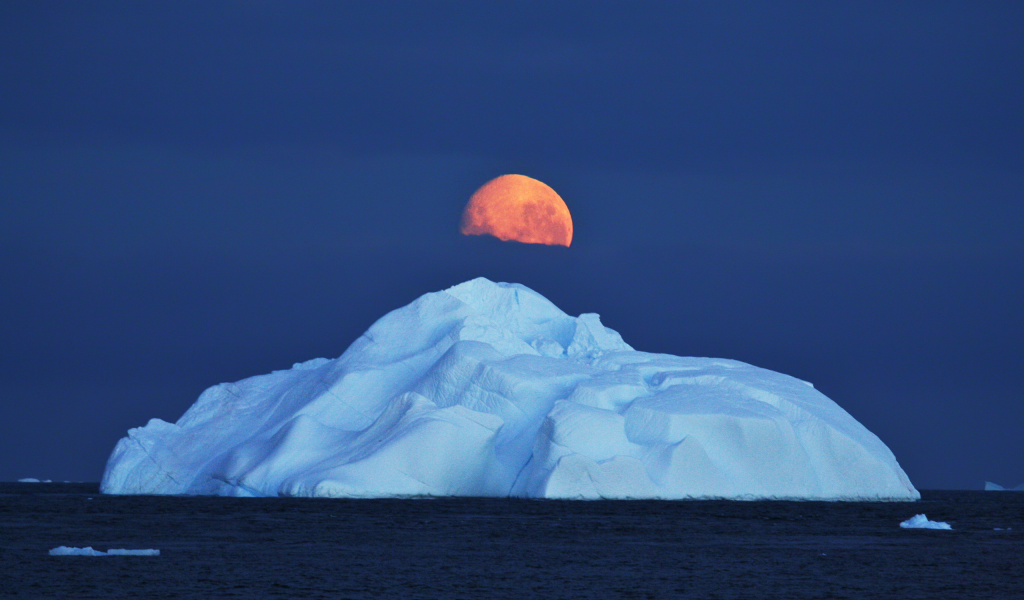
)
(518, 208)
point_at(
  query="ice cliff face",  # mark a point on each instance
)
(488, 389)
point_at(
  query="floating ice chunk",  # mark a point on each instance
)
(922, 522)
(130, 552)
(88, 551)
(29, 480)
(995, 487)
(68, 551)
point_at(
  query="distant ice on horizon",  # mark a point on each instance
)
(488, 389)
(88, 551)
(995, 487)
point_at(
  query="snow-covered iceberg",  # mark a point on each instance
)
(488, 389)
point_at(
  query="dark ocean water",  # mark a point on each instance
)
(506, 548)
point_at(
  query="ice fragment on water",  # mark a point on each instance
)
(129, 552)
(68, 551)
(88, 551)
(922, 522)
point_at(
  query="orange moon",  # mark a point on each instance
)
(518, 208)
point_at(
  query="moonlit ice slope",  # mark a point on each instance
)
(488, 389)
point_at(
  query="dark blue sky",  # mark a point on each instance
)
(197, 192)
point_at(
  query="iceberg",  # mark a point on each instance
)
(488, 389)
(922, 522)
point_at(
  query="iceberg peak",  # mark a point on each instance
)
(511, 310)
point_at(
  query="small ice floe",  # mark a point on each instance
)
(124, 552)
(995, 487)
(66, 551)
(33, 480)
(88, 551)
(1001, 529)
(922, 522)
